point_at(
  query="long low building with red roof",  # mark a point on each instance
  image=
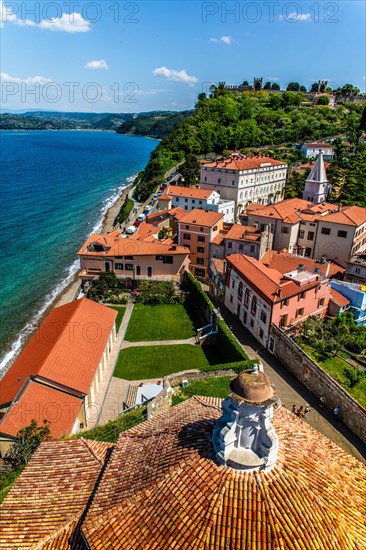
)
(64, 362)
(141, 256)
(245, 179)
(259, 295)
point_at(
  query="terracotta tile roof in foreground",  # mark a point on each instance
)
(131, 246)
(38, 402)
(45, 504)
(242, 233)
(347, 215)
(290, 210)
(66, 348)
(157, 217)
(338, 298)
(162, 489)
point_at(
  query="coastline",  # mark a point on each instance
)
(69, 293)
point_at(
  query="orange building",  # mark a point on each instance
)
(197, 230)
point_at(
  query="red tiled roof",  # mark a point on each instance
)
(66, 348)
(284, 262)
(318, 145)
(347, 215)
(338, 298)
(39, 402)
(240, 164)
(266, 280)
(291, 210)
(134, 247)
(145, 230)
(45, 504)
(201, 217)
(242, 232)
(220, 265)
(163, 489)
(176, 212)
(188, 192)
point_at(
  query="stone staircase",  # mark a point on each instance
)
(131, 395)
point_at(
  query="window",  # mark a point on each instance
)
(167, 259)
(261, 334)
(185, 200)
(342, 234)
(241, 247)
(128, 257)
(240, 290)
(119, 267)
(301, 234)
(229, 244)
(357, 271)
(187, 226)
(214, 228)
(251, 323)
(176, 199)
(301, 296)
(325, 230)
(193, 201)
(284, 303)
(245, 317)
(285, 230)
(263, 317)
(199, 202)
(253, 309)
(129, 267)
(200, 261)
(201, 239)
(310, 235)
(321, 302)
(252, 248)
(187, 236)
(205, 178)
(218, 180)
(200, 273)
(200, 249)
(246, 297)
(231, 298)
(283, 320)
(201, 229)
(300, 312)
(302, 223)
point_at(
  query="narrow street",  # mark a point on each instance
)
(291, 391)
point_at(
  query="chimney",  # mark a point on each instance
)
(339, 207)
(327, 270)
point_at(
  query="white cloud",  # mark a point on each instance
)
(224, 39)
(5, 77)
(175, 76)
(176, 105)
(68, 22)
(101, 64)
(295, 16)
(273, 78)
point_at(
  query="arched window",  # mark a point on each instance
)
(253, 308)
(240, 290)
(246, 297)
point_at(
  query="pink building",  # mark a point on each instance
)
(260, 296)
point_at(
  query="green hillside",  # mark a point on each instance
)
(252, 119)
(156, 125)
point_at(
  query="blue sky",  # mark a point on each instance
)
(116, 56)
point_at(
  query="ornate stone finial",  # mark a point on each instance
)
(244, 437)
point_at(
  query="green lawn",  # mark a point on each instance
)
(213, 387)
(152, 323)
(121, 311)
(138, 363)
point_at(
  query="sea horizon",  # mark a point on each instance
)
(68, 192)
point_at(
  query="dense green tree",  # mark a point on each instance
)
(267, 86)
(275, 86)
(303, 89)
(190, 170)
(293, 87)
(28, 440)
(323, 100)
(362, 125)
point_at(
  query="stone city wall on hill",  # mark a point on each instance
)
(320, 383)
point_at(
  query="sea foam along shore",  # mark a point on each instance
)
(66, 290)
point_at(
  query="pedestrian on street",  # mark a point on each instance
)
(294, 409)
(307, 410)
(300, 411)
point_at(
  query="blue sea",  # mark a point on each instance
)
(56, 187)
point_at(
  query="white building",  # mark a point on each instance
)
(316, 186)
(189, 198)
(312, 150)
(246, 179)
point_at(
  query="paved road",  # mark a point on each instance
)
(291, 391)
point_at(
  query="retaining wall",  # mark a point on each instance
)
(319, 382)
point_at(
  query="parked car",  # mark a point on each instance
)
(131, 230)
(148, 208)
(136, 224)
(141, 218)
(160, 193)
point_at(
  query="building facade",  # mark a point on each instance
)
(260, 296)
(197, 230)
(312, 150)
(246, 179)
